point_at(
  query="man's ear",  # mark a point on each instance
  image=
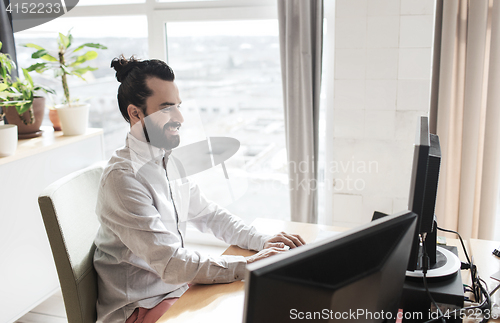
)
(134, 113)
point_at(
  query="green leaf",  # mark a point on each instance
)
(70, 37)
(79, 76)
(23, 108)
(6, 65)
(38, 67)
(28, 77)
(3, 87)
(84, 70)
(31, 45)
(44, 89)
(90, 55)
(65, 70)
(93, 45)
(63, 41)
(44, 54)
(40, 53)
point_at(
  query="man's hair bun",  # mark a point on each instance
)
(123, 66)
(132, 73)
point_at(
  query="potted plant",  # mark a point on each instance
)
(19, 104)
(72, 113)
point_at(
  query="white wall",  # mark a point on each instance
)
(381, 81)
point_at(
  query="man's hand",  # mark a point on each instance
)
(284, 239)
(264, 253)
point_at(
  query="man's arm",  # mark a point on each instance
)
(127, 209)
(208, 216)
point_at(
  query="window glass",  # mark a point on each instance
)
(229, 78)
(106, 2)
(125, 35)
(182, 0)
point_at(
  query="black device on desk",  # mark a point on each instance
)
(439, 266)
(422, 201)
(357, 275)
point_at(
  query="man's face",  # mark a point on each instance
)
(163, 118)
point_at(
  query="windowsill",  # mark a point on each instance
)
(47, 141)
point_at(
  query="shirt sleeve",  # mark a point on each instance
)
(130, 214)
(207, 216)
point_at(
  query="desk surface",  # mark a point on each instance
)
(225, 302)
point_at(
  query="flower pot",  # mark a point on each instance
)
(8, 139)
(54, 118)
(74, 119)
(28, 130)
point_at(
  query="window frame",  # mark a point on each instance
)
(159, 13)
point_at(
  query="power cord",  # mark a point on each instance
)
(472, 267)
(480, 306)
(425, 267)
(494, 290)
(477, 284)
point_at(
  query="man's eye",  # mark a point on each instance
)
(165, 110)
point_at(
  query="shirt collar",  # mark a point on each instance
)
(142, 152)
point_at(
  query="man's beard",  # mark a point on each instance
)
(158, 137)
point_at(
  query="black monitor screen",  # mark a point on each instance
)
(423, 186)
(357, 275)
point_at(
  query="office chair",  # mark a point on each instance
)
(68, 211)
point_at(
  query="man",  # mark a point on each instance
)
(141, 261)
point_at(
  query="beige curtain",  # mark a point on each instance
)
(301, 41)
(467, 116)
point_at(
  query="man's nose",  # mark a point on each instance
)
(176, 115)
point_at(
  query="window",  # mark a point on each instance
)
(229, 78)
(106, 2)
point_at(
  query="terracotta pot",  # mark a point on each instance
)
(54, 118)
(28, 130)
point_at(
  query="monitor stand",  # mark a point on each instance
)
(447, 291)
(443, 263)
(447, 264)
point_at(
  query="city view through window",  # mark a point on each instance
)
(229, 78)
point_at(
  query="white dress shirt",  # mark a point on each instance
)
(140, 257)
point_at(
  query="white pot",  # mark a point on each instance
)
(8, 139)
(74, 119)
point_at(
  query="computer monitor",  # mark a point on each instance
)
(423, 188)
(356, 275)
(422, 201)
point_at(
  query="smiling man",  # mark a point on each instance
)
(141, 259)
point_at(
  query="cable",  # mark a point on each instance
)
(461, 241)
(487, 299)
(460, 309)
(477, 285)
(494, 290)
(425, 267)
(473, 271)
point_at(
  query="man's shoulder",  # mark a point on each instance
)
(119, 165)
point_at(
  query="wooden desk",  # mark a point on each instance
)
(224, 302)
